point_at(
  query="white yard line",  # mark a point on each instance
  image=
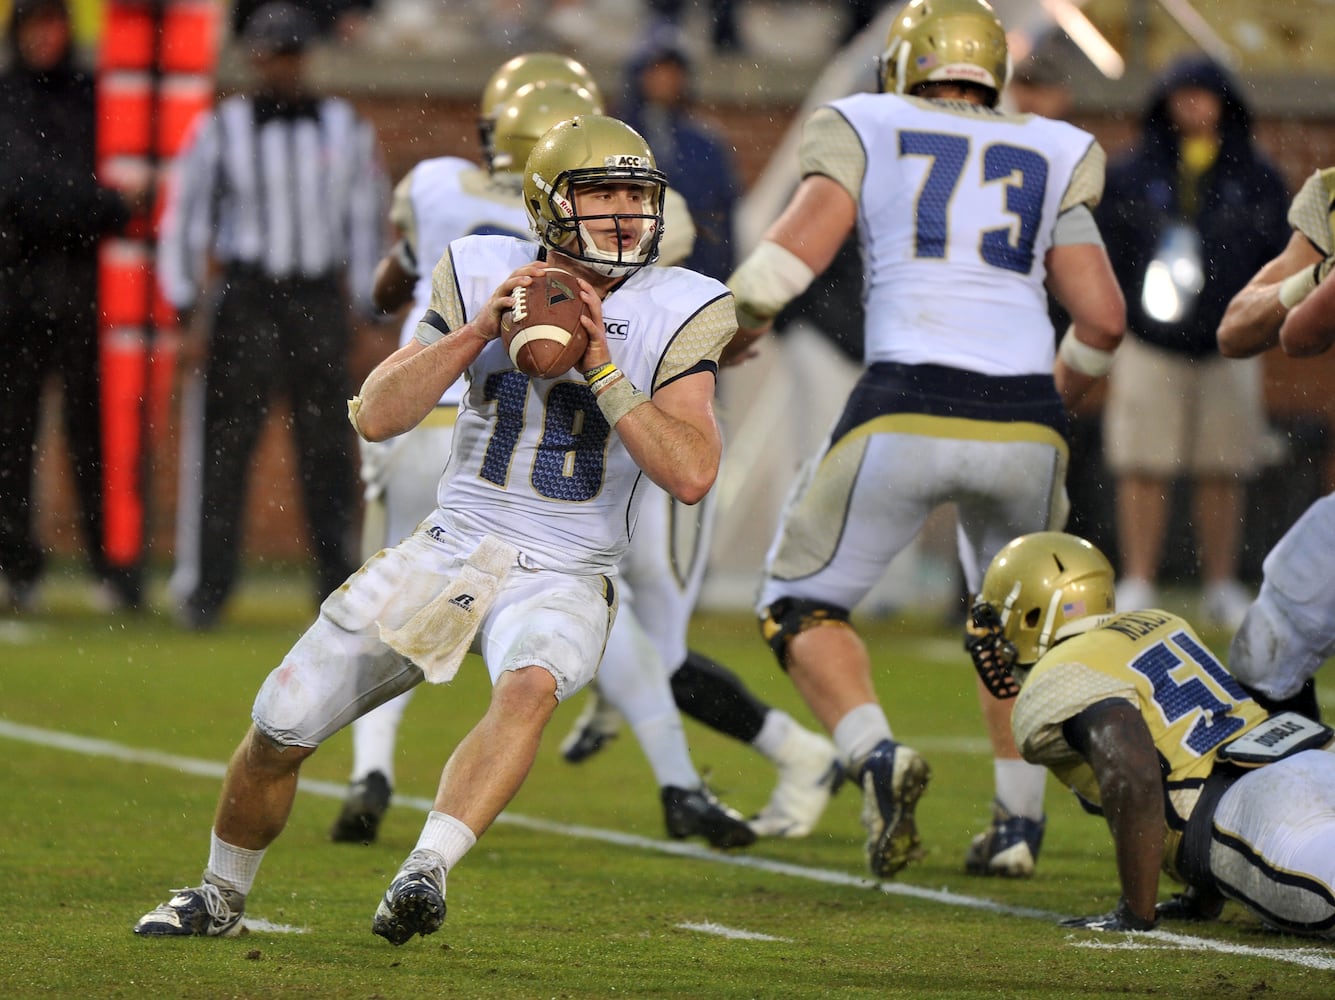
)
(262, 926)
(732, 933)
(1310, 957)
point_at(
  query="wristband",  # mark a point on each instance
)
(596, 377)
(766, 281)
(749, 319)
(600, 378)
(1080, 357)
(618, 399)
(1297, 287)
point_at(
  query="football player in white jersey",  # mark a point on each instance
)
(436, 202)
(534, 511)
(447, 197)
(1136, 716)
(964, 214)
(1289, 630)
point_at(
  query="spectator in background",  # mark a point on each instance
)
(53, 212)
(1188, 216)
(697, 161)
(722, 21)
(861, 13)
(1040, 86)
(277, 207)
(334, 20)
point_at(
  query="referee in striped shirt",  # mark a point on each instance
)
(272, 229)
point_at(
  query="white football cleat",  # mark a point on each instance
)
(809, 773)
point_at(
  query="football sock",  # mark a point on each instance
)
(775, 731)
(237, 866)
(711, 693)
(1020, 787)
(373, 737)
(447, 836)
(860, 730)
(663, 741)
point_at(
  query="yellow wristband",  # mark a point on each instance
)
(593, 374)
(604, 377)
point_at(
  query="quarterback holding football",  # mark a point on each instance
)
(534, 511)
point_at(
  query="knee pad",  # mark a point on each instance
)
(789, 616)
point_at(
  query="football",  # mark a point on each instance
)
(542, 333)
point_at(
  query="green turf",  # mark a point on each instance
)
(89, 843)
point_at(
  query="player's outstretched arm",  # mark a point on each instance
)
(799, 245)
(1253, 319)
(1081, 278)
(1113, 738)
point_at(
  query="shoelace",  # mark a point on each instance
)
(214, 903)
(424, 863)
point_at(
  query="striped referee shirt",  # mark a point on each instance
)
(294, 190)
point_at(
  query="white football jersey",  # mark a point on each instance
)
(957, 204)
(534, 461)
(437, 202)
(440, 200)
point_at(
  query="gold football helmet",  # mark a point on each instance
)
(589, 151)
(1040, 582)
(945, 41)
(528, 67)
(534, 108)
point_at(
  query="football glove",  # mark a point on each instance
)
(992, 653)
(1121, 919)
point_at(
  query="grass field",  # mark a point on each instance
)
(114, 731)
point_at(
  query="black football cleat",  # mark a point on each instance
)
(364, 806)
(691, 812)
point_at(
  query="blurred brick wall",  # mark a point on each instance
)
(412, 129)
